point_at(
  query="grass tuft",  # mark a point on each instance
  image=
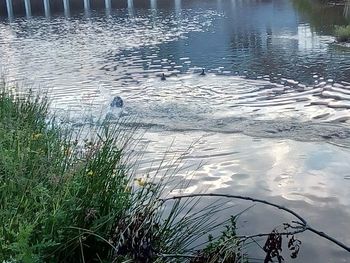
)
(69, 195)
(342, 33)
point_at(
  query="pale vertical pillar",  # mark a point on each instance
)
(131, 8)
(87, 5)
(108, 4)
(9, 9)
(177, 6)
(153, 4)
(28, 8)
(347, 9)
(47, 7)
(66, 7)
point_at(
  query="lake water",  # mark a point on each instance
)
(271, 118)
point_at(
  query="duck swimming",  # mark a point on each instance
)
(117, 102)
(163, 77)
(202, 73)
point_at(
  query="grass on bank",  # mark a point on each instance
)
(342, 33)
(65, 197)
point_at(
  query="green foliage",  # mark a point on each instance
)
(342, 33)
(49, 192)
(67, 195)
(226, 248)
(321, 15)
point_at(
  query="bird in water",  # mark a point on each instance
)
(202, 73)
(117, 102)
(163, 77)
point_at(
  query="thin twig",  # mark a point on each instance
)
(178, 256)
(324, 235)
(81, 250)
(244, 237)
(238, 197)
(303, 222)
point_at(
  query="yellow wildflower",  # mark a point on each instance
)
(37, 136)
(127, 189)
(140, 182)
(90, 173)
(67, 151)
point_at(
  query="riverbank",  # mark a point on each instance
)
(71, 197)
(270, 117)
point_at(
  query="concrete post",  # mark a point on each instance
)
(9, 9)
(47, 7)
(153, 4)
(177, 6)
(108, 4)
(87, 5)
(66, 7)
(28, 8)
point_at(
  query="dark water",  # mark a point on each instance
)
(271, 116)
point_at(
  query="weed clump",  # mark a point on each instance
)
(60, 194)
(69, 196)
(342, 33)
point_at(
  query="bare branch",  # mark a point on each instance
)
(177, 256)
(324, 235)
(303, 223)
(239, 197)
(301, 230)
